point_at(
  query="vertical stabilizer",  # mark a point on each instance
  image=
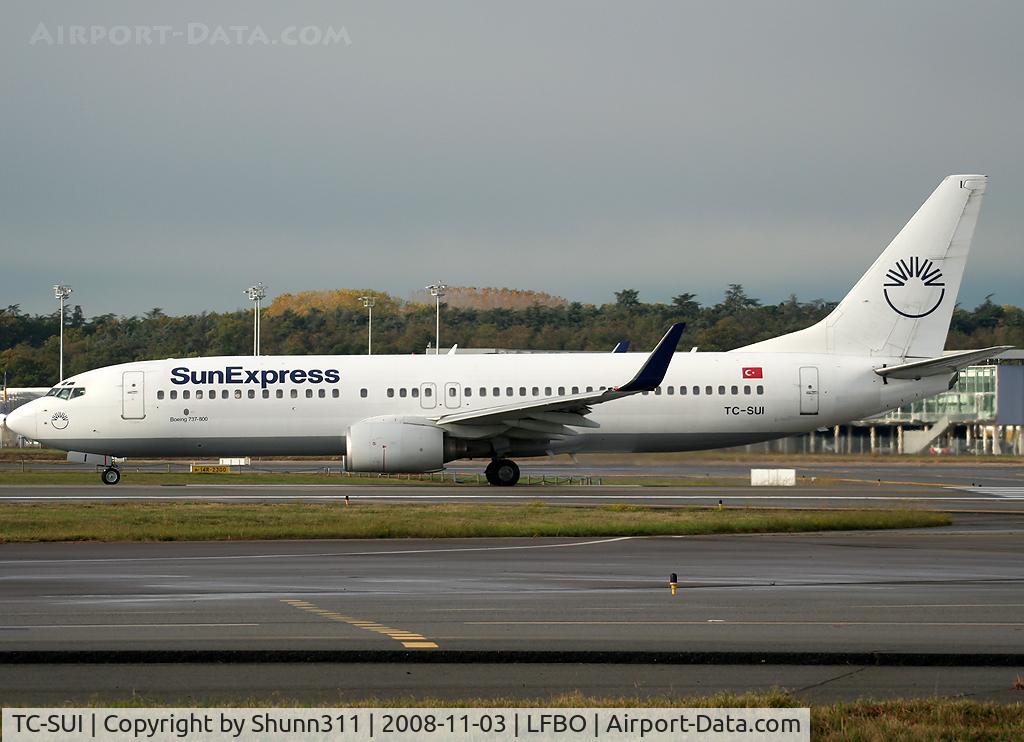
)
(903, 305)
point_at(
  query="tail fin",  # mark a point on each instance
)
(903, 305)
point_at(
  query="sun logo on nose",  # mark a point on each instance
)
(59, 420)
(913, 284)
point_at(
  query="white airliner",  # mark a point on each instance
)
(882, 347)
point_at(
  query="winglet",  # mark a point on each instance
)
(653, 371)
(621, 347)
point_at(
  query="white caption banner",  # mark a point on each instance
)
(403, 724)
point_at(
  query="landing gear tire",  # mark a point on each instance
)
(111, 475)
(502, 473)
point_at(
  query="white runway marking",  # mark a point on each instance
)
(1014, 493)
(320, 554)
(125, 625)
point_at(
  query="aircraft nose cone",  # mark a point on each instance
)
(22, 421)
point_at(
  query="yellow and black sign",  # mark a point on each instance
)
(210, 469)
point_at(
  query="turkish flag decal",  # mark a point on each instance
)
(753, 373)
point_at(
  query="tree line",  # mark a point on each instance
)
(29, 343)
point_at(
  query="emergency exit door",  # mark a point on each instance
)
(133, 397)
(808, 390)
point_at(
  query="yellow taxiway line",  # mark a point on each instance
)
(408, 639)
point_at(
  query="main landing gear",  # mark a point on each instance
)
(111, 475)
(502, 472)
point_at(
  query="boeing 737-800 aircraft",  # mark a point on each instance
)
(882, 347)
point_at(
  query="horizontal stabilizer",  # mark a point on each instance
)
(947, 364)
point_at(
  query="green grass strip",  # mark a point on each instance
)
(190, 521)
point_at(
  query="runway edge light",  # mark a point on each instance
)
(672, 581)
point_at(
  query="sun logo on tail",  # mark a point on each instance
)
(913, 284)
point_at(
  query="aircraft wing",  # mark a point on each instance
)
(947, 364)
(554, 417)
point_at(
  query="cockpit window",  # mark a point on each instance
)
(66, 392)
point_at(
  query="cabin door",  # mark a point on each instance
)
(428, 398)
(808, 390)
(133, 395)
(452, 395)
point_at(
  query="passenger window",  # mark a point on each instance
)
(657, 391)
(709, 390)
(294, 393)
(671, 390)
(309, 394)
(402, 392)
(682, 390)
(322, 393)
(760, 389)
(160, 394)
(266, 394)
(496, 392)
(415, 391)
(451, 392)
(590, 389)
(735, 390)
(335, 393)
(646, 393)
(238, 394)
(508, 391)
(223, 393)
(483, 391)
(185, 394)
(536, 391)
(746, 388)
(391, 392)
(428, 392)
(468, 391)
(212, 394)
(721, 390)
(522, 391)
(547, 391)
(252, 394)
(280, 394)
(696, 391)
(174, 394)
(362, 393)
(199, 393)
(575, 390)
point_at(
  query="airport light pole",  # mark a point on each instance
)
(256, 295)
(437, 291)
(368, 302)
(61, 294)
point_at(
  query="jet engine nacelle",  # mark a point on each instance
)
(394, 444)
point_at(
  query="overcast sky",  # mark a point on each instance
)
(569, 147)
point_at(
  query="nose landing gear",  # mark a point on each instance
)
(502, 473)
(111, 475)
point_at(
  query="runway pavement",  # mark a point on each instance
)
(952, 590)
(848, 495)
(962, 471)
